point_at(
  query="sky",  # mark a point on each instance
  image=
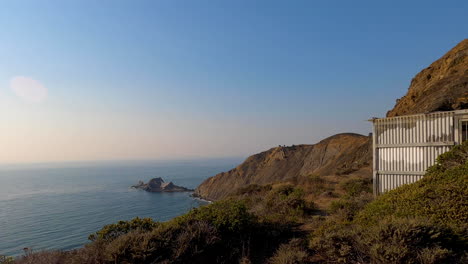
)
(89, 80)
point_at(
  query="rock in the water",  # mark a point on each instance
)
(158, 185)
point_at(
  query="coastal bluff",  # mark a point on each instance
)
(158, 185)
(342, 154)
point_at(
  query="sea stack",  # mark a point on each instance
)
(158, 185)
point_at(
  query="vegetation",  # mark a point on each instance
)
(293, 252)
(112, 231)
(393, 240)
(281, 204)
(424, 222)
(6, 260)
(355, 187)
(441, 196)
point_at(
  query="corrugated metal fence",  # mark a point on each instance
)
(405, 146)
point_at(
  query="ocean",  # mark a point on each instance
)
(56, 206)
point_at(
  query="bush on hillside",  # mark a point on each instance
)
(216, 232)
(337, 242)
(226, 216)
(191, 241)
(112, 231)
(293, 252)
(355, 187)
(282, 204)
(424, 222)
(410, 240)
(348, 207)
(393, 240)
(6, 260)
(440, 196)
(253, 189)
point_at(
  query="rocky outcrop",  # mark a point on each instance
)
(158, 185)
(440, 87)
(336, 155)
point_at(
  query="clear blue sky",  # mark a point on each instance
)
(181, 79)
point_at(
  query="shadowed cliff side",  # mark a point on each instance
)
(337, 155)
(442, 86)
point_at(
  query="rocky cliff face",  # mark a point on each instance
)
(339, 154)
(440, 87)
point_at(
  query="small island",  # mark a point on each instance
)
(158, 185)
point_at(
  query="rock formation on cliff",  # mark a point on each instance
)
(440, 87)
(158, 185)
(339, 154)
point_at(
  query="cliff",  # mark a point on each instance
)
(336, 155)
(440, 87)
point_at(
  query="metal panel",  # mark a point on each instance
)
(405, 146)
(389, 182)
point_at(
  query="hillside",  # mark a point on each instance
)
(440, 87)
(423, 222)
(336, 155)
(267, 218)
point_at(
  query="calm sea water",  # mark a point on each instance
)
(57, 207)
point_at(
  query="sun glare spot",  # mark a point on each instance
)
(28, 89)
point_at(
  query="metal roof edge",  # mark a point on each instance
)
(455, 112)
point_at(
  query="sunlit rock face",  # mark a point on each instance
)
(442, 86)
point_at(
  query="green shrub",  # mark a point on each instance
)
(6, 260)
(293, 252)
(112, 231)
(440, 196)
(349, 206)
(253, 189)
(338, 243)
(412, 241)
(227, 215)
(281, 204)
(424, 222)
(393, 240)
(315, 179)
(284, 204)
(456, 156)
(355, 187)
(212, 233)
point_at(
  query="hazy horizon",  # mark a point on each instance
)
(117, 162)
(84, 81)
